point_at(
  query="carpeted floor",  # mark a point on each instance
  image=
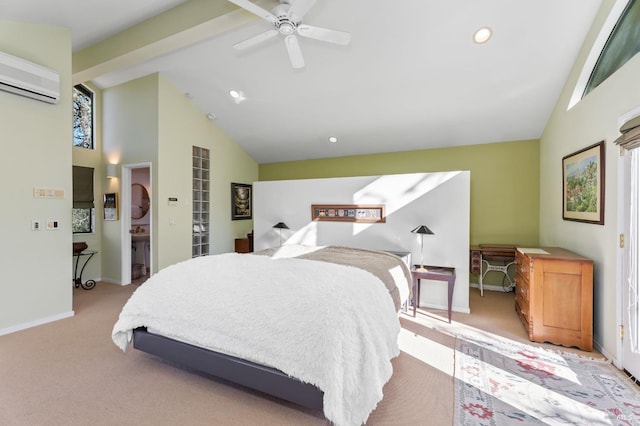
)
(70, 373)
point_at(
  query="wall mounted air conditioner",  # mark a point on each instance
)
(25, 78)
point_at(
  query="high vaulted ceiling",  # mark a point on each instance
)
(411, 78)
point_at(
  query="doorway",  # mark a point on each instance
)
(630, 296)
(137, 223)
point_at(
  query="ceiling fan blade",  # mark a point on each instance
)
(324, 34)
(256, 39)
(255, 9)
(300, 7)
(295, 54)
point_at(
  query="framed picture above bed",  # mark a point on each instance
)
(371, 213)
(583, 185)
(241, 201)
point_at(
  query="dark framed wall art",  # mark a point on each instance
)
(110, 206)
(583, 185)
(241, 201)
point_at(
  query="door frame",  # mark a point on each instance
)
(125, 235)
(621, 257)
(622, 260)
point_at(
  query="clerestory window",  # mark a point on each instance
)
(622, 45)
(83, 111)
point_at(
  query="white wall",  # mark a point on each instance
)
(438, 200)
(130, 136)
(36, 282)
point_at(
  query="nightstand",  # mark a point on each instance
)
(438, 273)
(244, 245)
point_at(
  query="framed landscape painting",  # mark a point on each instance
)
(583, 185)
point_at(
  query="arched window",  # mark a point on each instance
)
(623, 43)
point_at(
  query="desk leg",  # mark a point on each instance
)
(481, 279)
(450, 298)
(416, 294)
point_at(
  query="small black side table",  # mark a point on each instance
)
(438, 273)
(77, 279)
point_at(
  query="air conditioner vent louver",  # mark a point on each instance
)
(29, 79)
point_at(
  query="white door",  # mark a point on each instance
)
(630, 262)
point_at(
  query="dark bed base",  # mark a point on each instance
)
(236, 370)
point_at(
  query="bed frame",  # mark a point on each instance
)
(246, 373)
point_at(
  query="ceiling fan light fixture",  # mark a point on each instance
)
(482, 35)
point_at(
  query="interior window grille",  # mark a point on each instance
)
(83, 111)
(201, 206)
(83, 217)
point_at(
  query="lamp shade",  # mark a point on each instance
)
(280, 225)
(422, 229)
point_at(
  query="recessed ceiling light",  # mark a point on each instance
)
(333, 139)
(237, 96)
(482, 35)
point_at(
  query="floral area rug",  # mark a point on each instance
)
(507, 383)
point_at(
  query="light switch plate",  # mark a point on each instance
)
(53, 224)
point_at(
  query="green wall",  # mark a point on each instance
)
(36, 137)
(150, 120)
(504, 182)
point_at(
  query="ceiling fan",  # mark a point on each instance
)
(287, 20)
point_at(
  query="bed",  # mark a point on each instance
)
(316, 326)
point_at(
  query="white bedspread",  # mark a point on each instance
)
(329, 325)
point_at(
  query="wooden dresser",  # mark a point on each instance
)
(554, 296)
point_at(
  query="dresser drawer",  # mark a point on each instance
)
(523, 265)
(522, 307)
(522, 285)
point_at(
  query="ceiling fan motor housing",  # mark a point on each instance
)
(286, 24)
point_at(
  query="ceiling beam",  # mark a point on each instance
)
(182, 26)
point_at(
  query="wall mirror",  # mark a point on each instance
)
(139, 201)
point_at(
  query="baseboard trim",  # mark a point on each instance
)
(26, 325)
(110, 281)
(490, 287)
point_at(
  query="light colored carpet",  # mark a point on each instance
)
(70, 373)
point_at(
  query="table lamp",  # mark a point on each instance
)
(422, 230)
(280, 226)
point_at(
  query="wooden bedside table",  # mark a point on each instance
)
(438, 273)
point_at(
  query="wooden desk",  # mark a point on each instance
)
(483, 259)
(438, 273)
